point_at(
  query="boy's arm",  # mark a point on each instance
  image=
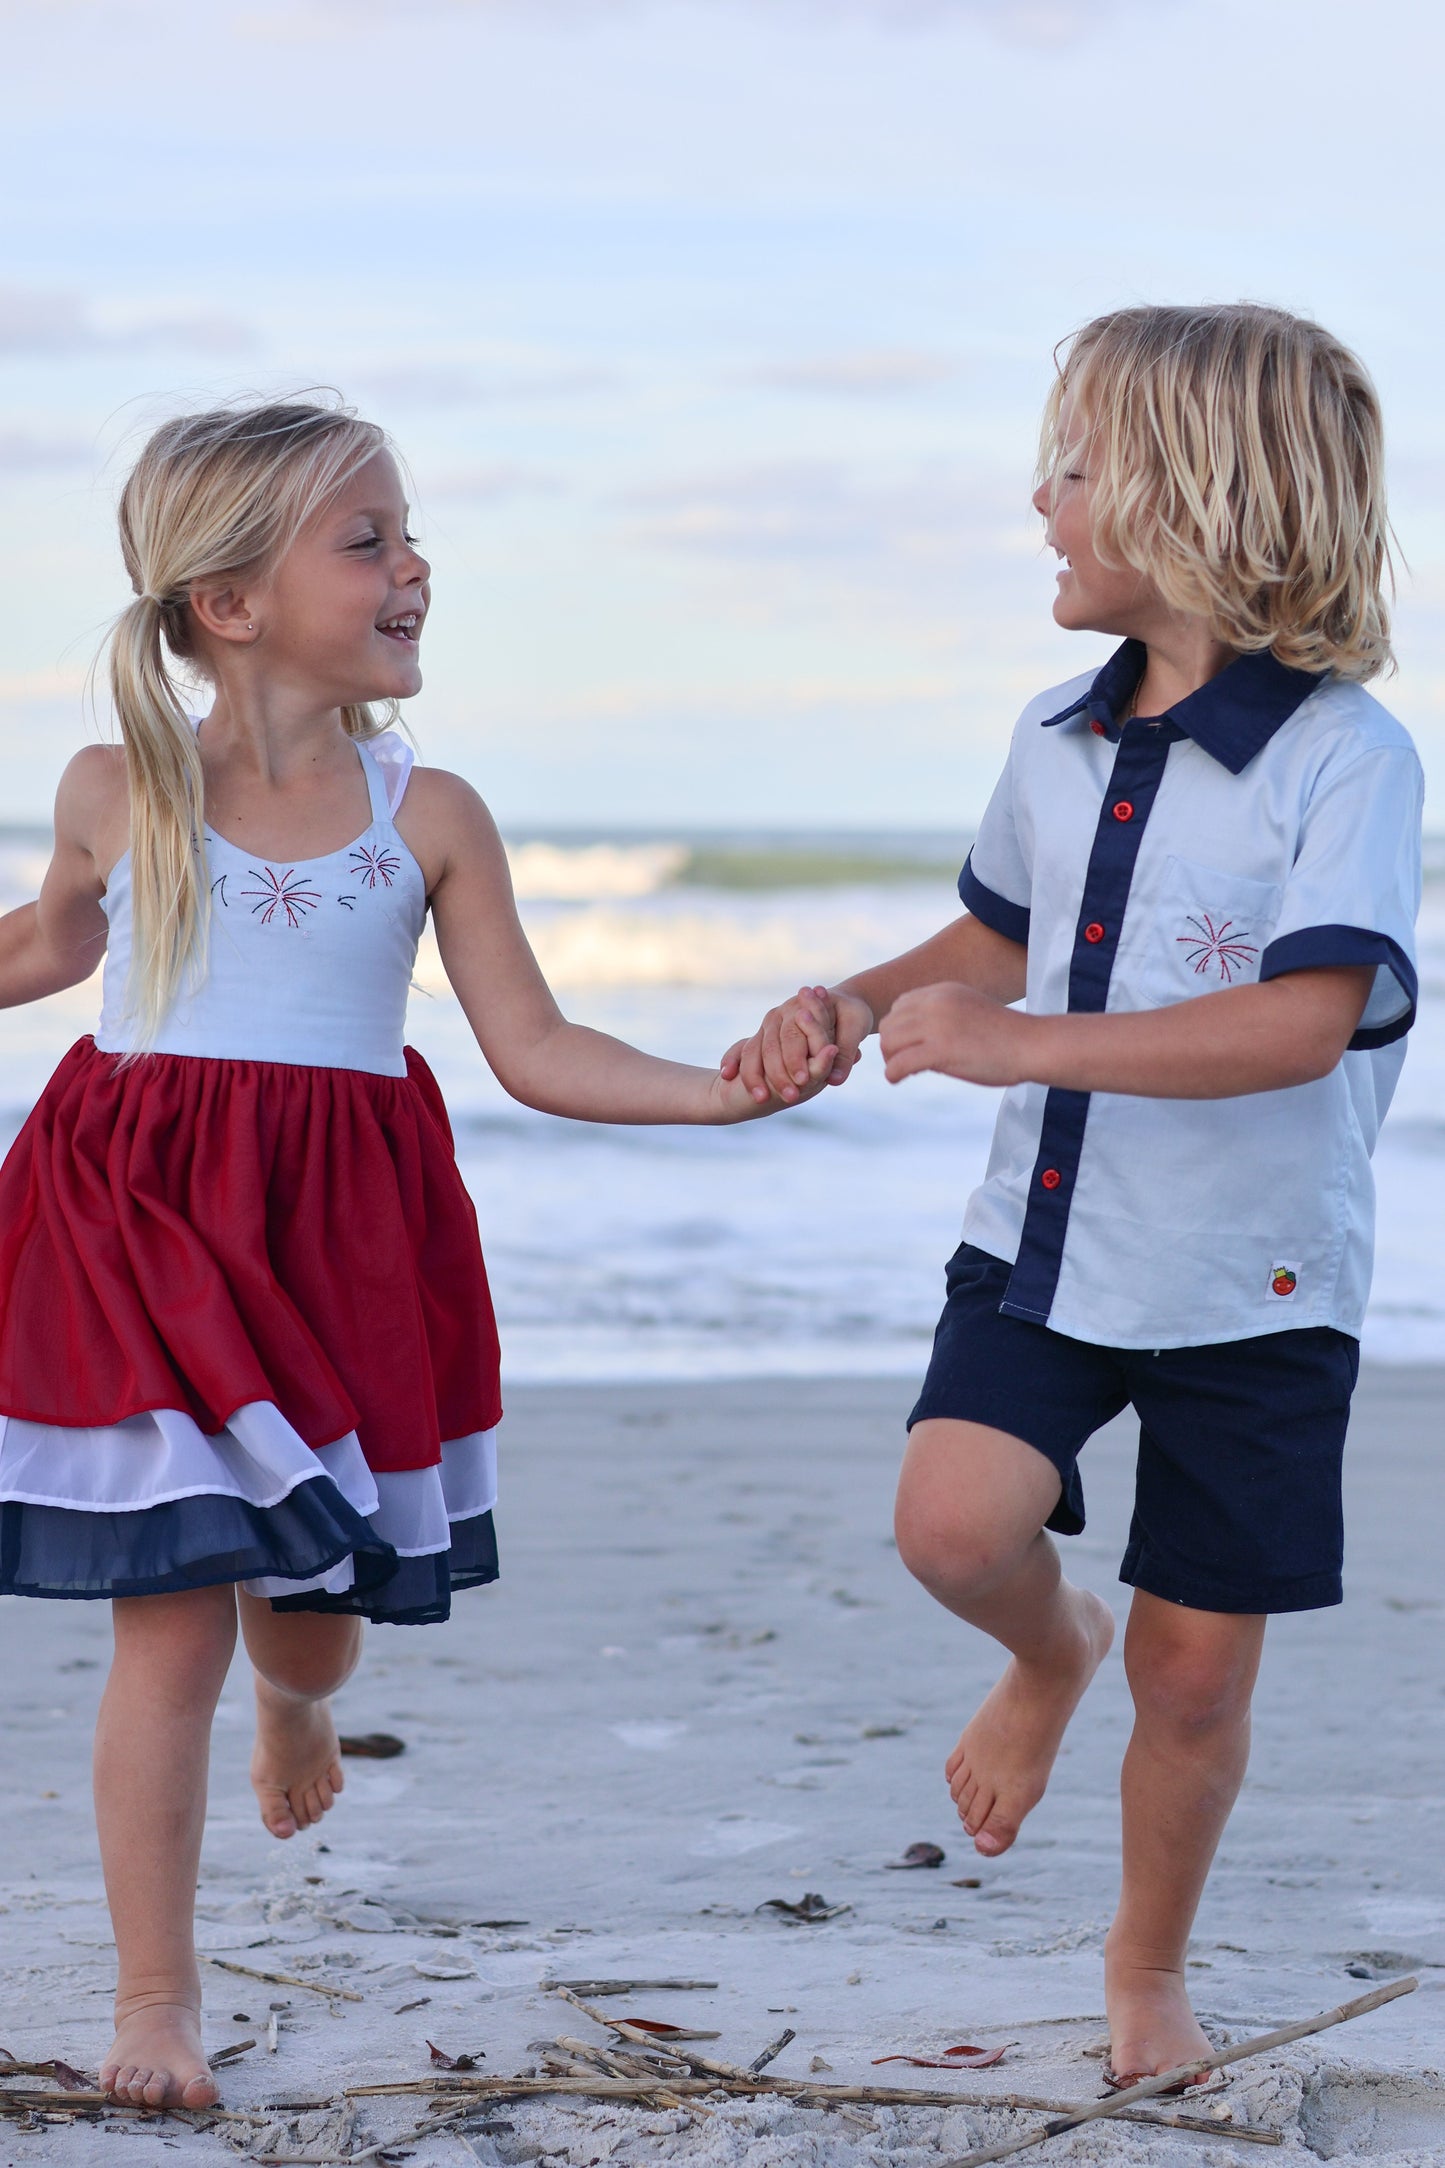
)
(1291, 1030)
(781, 1058)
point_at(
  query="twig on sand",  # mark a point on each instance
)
(599, 1988)
(805, 2093)
(771, 2052)
(1150, 2088)
(284, 1979)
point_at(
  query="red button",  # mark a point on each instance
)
(1051, 1178)
(1123, 811)
(1094, 932)
(1098, 729)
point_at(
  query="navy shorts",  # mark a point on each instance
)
(1237, 1496)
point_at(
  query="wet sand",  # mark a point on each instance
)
(705, 1682)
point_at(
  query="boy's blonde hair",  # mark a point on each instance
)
(212, 494)
(1236, 458)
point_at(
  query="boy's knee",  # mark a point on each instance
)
(1190, 1690)
(947, 1548)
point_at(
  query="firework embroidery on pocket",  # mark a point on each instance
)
(281, 892)
(1214, 950)
(371, 864)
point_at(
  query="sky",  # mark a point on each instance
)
(713, 332)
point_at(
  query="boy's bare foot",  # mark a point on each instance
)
(999, 1770)
(1151, 2026)
(157, 2061)
(296, 1762)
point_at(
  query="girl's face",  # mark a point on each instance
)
(341, 615)
(1091, 596)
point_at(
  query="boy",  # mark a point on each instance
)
(1201, 866)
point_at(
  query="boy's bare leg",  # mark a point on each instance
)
(1192, 1674)
(300, 1659)
(972, 1503)
(152, 1744)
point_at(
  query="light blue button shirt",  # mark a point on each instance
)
(1269, 823)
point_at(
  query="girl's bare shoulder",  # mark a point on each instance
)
(448, 825)
(92, 802)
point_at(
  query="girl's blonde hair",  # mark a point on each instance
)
(212, 494)
(1236, 458)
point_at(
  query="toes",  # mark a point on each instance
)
(200, 2093)
(993, 1836)
(277, 1812)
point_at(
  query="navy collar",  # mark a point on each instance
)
(1233, 717)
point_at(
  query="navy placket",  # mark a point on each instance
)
(1128, 801)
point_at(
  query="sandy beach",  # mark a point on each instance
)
(705, 1682)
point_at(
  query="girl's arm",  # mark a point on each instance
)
(1290, 1030)
(536, 1054)
(58, 941)
(786, 1050)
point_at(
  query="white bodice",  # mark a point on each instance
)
(309, 961)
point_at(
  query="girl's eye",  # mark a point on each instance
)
(365, 542)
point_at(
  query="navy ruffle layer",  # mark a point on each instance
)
(63, 1551)
(419, 1591)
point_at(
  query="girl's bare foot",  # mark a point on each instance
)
(999, 1770)
(1151, 2026)
(157, 2061)
(296, 1763)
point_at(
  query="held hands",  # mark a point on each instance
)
(956, 1031)
(811, 1040)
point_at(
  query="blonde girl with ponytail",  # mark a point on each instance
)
(248, 1362)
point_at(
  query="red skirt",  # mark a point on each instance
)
(201, 1236)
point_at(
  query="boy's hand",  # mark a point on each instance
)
(813, 1039)
(957, 1031)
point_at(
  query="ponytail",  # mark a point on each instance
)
(170, 894)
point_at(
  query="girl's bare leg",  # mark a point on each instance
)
(152, 1744)
(300, 1659)
(1192, 1676)
(972, 1503)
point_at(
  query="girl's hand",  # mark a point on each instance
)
(813, 1039)
(956, 1031)
(734, 1101)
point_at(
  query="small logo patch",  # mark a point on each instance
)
(1283, 1282)
(1214, 950)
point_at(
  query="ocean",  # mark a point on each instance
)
(807, 1244)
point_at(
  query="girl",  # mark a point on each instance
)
(248, 1365)
(1201, 869)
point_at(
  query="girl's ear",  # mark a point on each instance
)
(223, 612)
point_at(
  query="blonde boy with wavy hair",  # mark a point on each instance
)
(1199, 873)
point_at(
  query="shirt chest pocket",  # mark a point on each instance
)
(1206, 930)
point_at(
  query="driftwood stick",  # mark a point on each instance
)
(806, 2094)
(284, 1979)
(599, 1988)
(370, 2152)
(704, 2065)
(771, 2052)
(1150, 2088)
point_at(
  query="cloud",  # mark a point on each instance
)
(23, 452)
(881, 374)
(489, 485)
(40, 321)
(823, 512)
(1028, 22)
(510, 381)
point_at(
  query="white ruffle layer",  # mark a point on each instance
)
(157, 1458)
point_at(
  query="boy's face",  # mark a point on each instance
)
(1091, 596)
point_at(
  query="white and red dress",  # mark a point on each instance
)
(245, 1330)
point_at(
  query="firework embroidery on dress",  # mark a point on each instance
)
(1214, 950)
(348, 903)
(218, 888)
(370, 863)
(281, 892)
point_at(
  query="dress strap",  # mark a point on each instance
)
(375, 783)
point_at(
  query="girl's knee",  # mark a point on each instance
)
(308, 1655)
